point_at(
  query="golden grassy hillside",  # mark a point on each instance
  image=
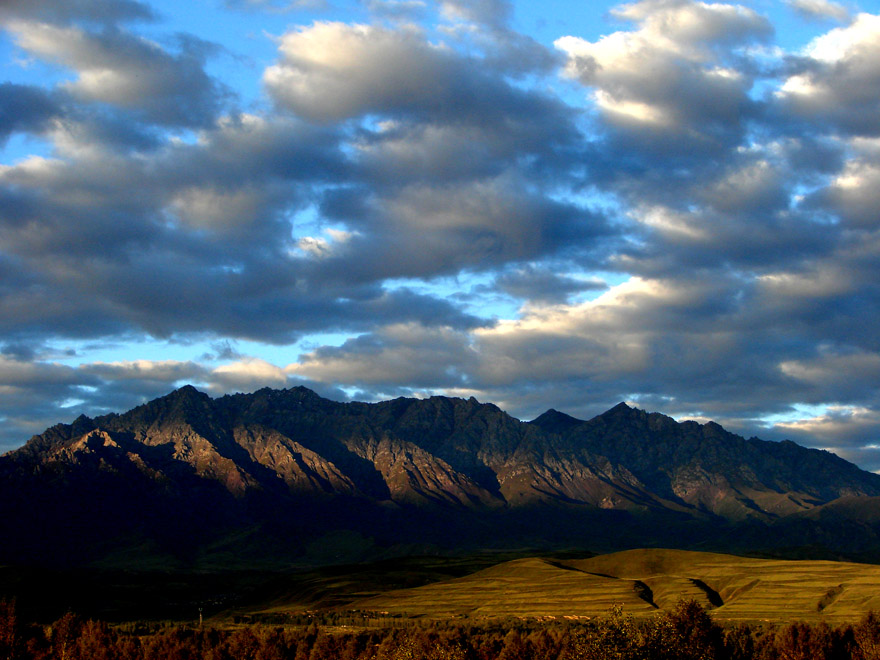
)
(645, 581)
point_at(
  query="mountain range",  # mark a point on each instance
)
(288, 478)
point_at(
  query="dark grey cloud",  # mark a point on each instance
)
(837, 81)
(495, 13)
(222, 351)
(118, 68)
(24, 108)
(191, 238)
(543, 285)
(424, 231)
(67, 11)
(819, 9)
(406, 355)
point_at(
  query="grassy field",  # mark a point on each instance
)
(488, 586)
(522, 588)
(644, 582)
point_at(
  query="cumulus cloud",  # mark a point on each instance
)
(334, 71)
(853, 195)
(671, 85)
(247, 375)
(838, 79)
(478, 225)
(120, 69)
(398, 356)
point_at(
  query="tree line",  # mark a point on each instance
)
(685, 633)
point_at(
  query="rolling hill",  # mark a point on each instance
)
(646, 581)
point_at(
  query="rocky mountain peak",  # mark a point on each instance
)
(183, 405)
(405, 470)
(553, 421)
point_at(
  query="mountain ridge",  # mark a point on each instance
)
(186, 473)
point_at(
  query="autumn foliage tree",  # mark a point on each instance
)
(687, 632)
(11, 637)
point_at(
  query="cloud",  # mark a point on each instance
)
(145, 373)
(838, 78)
(335, 71)
(247, 375)
(847, 430)
(678, 346)
(126, 71)
(397, 357)
(190, 238)
(24, 108)
(853, 195)
(97, 11)
(850, 376)
(398, 9)
(479, 225)
(671, 86)
(820, 9)
(32, 395)
(544, 285)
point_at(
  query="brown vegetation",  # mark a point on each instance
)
(685, 633)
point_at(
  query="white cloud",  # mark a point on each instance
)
(247, 375)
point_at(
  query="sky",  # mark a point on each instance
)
(564, 204)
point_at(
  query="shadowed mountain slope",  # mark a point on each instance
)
(285, 475)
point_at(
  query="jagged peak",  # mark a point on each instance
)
(188, 392)
(552, 419)
(301, 390)
(622, 409)
(178, 404)
(181, 396)
(450, 402)
(82, 424)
